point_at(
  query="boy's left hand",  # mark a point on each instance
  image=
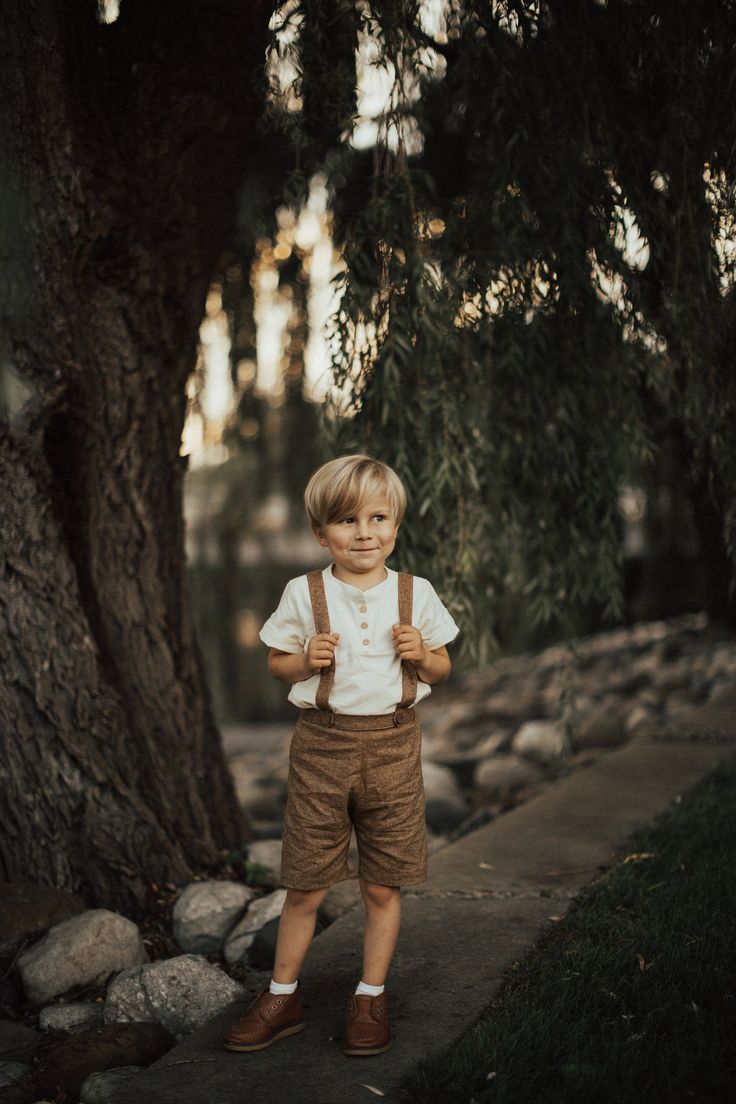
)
(408, 643)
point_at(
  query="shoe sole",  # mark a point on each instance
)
(365, 1051)
(269, 1042)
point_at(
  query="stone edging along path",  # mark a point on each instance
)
(486, 901)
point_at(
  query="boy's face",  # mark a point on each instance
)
(361, 542)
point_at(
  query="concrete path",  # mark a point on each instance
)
(488, 898)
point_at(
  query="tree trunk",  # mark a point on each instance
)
(123, 149)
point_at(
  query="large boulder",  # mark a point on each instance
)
(262, 796)
(501, 774)
(445, 805)
(205, 911)
(179, 993)
(70, 1017)
(28, 910)
(105, 1046)
(640, 720)
(102, 1088)
(674, 676)
(542, 741)
(82, 951)
(267, 853)
(258, 915)
(485, 742)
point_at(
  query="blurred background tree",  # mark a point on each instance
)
(532, 319)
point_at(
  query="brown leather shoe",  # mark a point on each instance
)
(271, 1016)
(366, 1025)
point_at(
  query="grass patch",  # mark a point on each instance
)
(632, 997)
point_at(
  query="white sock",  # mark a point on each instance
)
(368, 990)
(283, 986)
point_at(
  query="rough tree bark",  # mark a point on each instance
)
(123, 148)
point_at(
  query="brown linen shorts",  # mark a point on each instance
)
(361, 771)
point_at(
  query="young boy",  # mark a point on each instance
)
(361, 645)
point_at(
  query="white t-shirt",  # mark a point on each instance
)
(367, 665)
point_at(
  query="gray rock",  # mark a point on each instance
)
(101, 1088)
(267, 852)
(68, 1017)
(81, 951)
(205, 911)
(11, 1072)
(504, 706)
(179, 993)
(650, 697)
(541, 741)
(503, 773)
(261, 796)
(639, 719)
(673, 676)
(64, 1068)
(445, 806)
(244, 932)
(723, 691)
(486, 743)
(440, 784)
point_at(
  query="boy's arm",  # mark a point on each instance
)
(436, 666)
(298, 666)
(431, 666)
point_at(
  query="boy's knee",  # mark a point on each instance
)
(306, 899)
(376, 894)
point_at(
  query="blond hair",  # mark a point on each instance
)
(342, 486)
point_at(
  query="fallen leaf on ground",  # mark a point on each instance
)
(556, 917)
(485, 866)
(640, 855)
(373, 1089)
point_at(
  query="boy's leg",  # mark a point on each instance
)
(296, 929)
(274, 1014)
(383, 919)
(367, 1026)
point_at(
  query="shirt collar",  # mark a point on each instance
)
(378, 588)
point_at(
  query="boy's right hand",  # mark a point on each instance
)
(321, 651)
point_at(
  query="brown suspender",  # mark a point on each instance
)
(408, 670)
(322, 624)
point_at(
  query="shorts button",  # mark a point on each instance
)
(364, 624)
(366, 642)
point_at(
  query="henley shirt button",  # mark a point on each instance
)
(366, 641)
(364, 624)
(363, 609)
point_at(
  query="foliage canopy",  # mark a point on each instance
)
(539, 264)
